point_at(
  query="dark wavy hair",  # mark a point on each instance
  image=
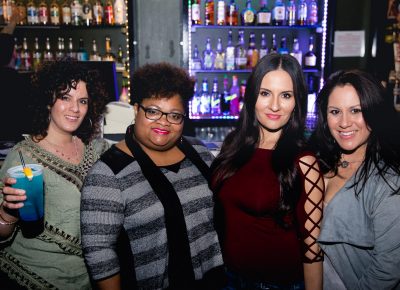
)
(52, 81)
(240, 144)
(161, 80)
(383, 144)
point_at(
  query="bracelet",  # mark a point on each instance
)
(5, 222)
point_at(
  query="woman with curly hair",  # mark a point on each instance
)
(69, 103)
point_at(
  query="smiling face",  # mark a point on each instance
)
(158, 135)
(345, 120)
(68, 112)
(275, 101)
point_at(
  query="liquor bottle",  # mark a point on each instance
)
(60, 53)
(242, 92)
(17, 57)
(263, 14)
(302, 12)
(54, 13)
(291, 13)
(87, 15)
(215, 99)
(195, 11)
(252, 52)
(7, 10)
(248, 15)
(48, 54)
(196, 60)
(283, 48)
(225, 98)
(279, 13)
(119, 12)
(310, 59)
(124, 96)
(120, 61)
(221, 12)
(204, 99)
(219, 62)
(194, 105)
(274, 46)
(234, 93)
(26, 56)
(43, 13)
(209, 12)
(296, 52)
(263, 46)
(82, 54)
(240, 52)
(108, 56)
(230, 53)
(71, 52)
(94, 55)
(66, 13)
(76, 12)
(36, 55)
(22, 12)
(208, 56)
(98, 13)
(313, 13)
(232, 17)
(32, 13)
(109, 13)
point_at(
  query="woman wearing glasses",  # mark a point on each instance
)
(149, 195)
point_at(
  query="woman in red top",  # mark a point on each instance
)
(268, 191)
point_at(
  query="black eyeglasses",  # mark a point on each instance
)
(155, 114)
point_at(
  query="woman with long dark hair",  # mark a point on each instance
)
(268, 191)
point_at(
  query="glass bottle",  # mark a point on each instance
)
(120, 12)
(279, 13)
(248, 15)
(310, 59)
(66, 13)
(291, 13)
(232, 17)
(204, 100)
(274, 46)
(208, 56)
(283, 48)
(209, 12)
(7, 10)
(43, 13)
(194, 104)
(124, 96)
(263, 46)
(87, 15)
(76, 12)
(98, 12)
(215, 99)
(17, 57)
(94, 55)
(26, 56)
(252, 52)
(230, 53)
(225, 98)
(22, 12)
(36, 55)
(240, 52)
(234, 93)
(32, 13)
(195, 11)
(302, 12)
(48, 54)
(313, 13)
(109, 13)
(108, 56)
(196, 60)
(219, 62)
(54, 13)
(82, 54)
(242, 90)
(60, 53)
(120, 58)
(221, 7)
(71, 52)
(296, 52)
(263, 14)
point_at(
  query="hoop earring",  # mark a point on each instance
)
(90, 122)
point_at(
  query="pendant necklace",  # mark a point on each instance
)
(61, 153)
(345, 163)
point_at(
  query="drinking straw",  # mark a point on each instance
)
(27, 171)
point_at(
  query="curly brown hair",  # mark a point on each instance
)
(54, 80)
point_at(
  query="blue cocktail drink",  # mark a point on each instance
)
(32, 213)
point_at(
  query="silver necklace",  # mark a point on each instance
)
(61, 153)
(345, 164)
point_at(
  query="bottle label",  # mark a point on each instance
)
(221, 13)
(208, 61)
(66, 15)
(219, 61)
(302, 13)
(31, 13)
(264, 18)
(55, 15)
(43, 15)
(248, 17)
(279, 13)
(98, 14)
(195, 12)
(241, 62)
(310, 61)
(313, 18)
(86, 12)
(298, 56)
(120, 14)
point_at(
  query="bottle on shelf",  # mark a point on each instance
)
(22, 12)
(76, 12)
(215, 99)
(225, 98)
(219, 62)
(98, 12)
(310, 59)
(274, 46)
(124, 96)
(17, 57)
(263, 46)
(208, 56)
(195, 11)
(120, 61)
(196, 60)
(94, 55)
(279, 13)
(43, 13)
(194, 103)
(82, 54)
(313, 13)
(234, 93)
(242, 90)
(54, 13)
(302, 12)
(248, 15)
(119, 12)
(7, 9)
(109, 13)
(48, 54)
(71, 51)
(66, 13)
(232, 17)
(60, 52)
(108, 56)
(32, 13)
(221, 11)
(36, 55)
(296, 52)
(87, 13)
(263, 14)
(283, 48)
(240, 52)
(230, 53)
(209, 12)
(26, 56)
(291, 13)
(204, 110)
(252, 52)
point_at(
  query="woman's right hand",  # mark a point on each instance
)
(13, 198)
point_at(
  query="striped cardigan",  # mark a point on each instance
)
(116, 195)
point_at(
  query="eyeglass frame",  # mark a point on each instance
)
(162, 114)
